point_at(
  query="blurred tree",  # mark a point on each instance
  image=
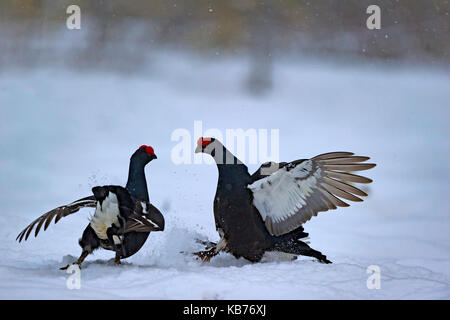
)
(410, 29)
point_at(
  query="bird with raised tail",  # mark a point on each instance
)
(123, 217)
(263, 214)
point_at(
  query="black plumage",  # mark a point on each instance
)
(264, 212)
(123, 219)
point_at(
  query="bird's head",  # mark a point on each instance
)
(206, 145)
(217, 150)
(145, 154)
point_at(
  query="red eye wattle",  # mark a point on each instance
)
(204, 141)
(147, 149)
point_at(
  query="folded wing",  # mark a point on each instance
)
(298, 190)
(145, 218)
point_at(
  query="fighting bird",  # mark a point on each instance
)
(123, 217)
(264, 213)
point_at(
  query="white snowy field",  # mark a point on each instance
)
(63, 132)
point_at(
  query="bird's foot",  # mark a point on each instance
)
(70, 264)
(208, 244)
(117, 258)
(79, 261)
(206, 255)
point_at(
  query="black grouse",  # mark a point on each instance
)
(123, 218)
(264, 212)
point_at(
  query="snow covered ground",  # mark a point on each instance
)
(62, 132)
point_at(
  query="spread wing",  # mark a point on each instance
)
(46, 219)
(291, 195)
(145, 218)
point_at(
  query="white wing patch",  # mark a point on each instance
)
(142, 221)
(105, 216)
(145, 210)
(144, 207)
(299, 190)
(283, 193)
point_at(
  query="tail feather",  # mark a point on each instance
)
(296, 234)
(295, 246)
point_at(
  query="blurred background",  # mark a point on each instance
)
(75, 104)
(118, 35)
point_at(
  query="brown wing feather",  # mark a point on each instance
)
(63, 211)
(302, 188)
(144, 218)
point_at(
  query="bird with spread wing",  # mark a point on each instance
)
(123, 217)
(265, 212)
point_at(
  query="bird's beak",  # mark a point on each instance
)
(198, 149)
(155, 157)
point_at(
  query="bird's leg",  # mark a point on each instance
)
(80, 260)
(110, 233)
(215, 249)
(206, 255)
(123, 223)
(117, 258)
(88, 243)
(209, 252)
